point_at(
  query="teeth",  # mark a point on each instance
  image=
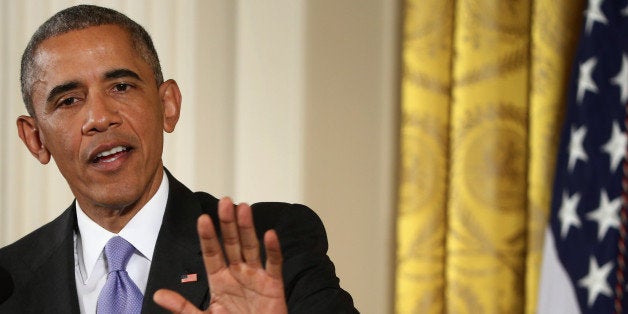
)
(112, 151)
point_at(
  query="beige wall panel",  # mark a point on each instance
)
(285, 100)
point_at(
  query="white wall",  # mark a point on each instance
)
(283, 100)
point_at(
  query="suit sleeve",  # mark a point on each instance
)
(311, 284)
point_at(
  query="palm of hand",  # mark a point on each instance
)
(243, 289)
(238, 284)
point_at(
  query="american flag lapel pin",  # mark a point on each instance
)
(188, 278)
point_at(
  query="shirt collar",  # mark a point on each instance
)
(141, 231)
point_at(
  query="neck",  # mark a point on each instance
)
(113, 217)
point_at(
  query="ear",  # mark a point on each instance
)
(171, 100)
(28, 132)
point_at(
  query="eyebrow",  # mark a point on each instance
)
(59, 89)
(120, 73)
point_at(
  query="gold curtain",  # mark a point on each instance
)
(482, 98)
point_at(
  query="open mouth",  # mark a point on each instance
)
(111, 155)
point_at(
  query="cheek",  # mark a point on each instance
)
(58, 138)
(148, 123)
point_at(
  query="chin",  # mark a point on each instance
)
(117, 199)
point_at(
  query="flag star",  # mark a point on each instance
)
(585, 80)
(607, 215)
(576, 149)
(594, 14)
(595, 281)
(567, 213)
(616, 146)
(621, 79)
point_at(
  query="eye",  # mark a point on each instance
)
(67, 101)
(121, 87)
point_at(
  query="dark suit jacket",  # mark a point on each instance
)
(42, 263)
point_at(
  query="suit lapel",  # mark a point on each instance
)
(50, 287)
(62, 262)
(62, 290)
(177, 251)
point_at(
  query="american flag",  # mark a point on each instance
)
(587, 196)
(188, 278)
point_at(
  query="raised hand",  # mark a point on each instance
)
(240, 285)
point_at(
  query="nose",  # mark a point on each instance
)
(100, 115)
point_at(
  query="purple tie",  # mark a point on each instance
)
(119, 295)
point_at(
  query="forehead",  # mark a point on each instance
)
(84, 52)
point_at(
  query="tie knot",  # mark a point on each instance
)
(118, 252)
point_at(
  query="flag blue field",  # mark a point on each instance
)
(579, 271)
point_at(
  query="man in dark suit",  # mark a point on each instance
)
(97, 104)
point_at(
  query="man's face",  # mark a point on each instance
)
(101, 116)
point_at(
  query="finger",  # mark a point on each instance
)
(274, 259)
(248, 238)
(212, 252)
(174, 302)
(229, 229)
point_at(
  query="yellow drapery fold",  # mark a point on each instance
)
(483, 88)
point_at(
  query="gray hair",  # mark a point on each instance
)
(76, 18)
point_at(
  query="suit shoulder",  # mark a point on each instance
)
(291, 209)
(43, 239)
(286, 213)
(299, 228)
(206, 200)
(266, 212)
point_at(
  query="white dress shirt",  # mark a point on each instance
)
(89, 242)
